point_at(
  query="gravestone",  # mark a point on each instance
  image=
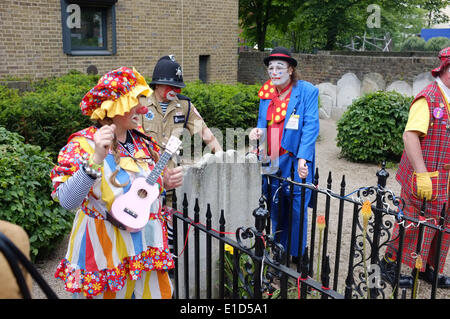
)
(421, 81)
(401, 87)
(327, 98)
(348, 89)
(372, 82)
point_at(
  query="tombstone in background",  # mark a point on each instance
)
(401, 87)
(372, 82)
(224, 181)
(327, 98)
(421, 81)
(348, 89)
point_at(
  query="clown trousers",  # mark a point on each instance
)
(429, 240)
(279, 194)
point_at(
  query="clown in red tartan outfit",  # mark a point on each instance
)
(424, 172)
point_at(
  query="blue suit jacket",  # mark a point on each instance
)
(303, 102)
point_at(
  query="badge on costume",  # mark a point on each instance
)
(438, 112)
(292, 124)
(179, 119)
(150, 115)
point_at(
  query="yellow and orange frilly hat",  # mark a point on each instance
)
(116, 93)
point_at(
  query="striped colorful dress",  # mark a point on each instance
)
(103, 261)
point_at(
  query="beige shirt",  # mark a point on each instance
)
(161, 126)
(18, 236)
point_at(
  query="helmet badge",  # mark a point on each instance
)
(179, 73)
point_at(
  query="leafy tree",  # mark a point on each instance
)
(434, 11)
(329, 25)
(256, 15)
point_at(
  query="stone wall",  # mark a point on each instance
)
(342, 78)
(331, 66)
(31, 43)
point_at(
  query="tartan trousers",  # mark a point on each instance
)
(428, 249)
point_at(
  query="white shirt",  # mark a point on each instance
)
(444, 89)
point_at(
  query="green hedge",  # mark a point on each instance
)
(224, 105)
(25, 189)
(413, 44)
(372, 127)
(419, 44)
(437, 44)
(47, 115)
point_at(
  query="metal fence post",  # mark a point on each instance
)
(382, 176)
(260, 215)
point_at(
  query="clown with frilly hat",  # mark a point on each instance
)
(97, 165)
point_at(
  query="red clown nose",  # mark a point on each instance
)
(142, 110)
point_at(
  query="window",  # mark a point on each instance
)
(203, 64)
(88, 27)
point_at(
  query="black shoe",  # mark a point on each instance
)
(388, 272)
(428, 276)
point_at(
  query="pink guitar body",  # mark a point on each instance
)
(132, 209)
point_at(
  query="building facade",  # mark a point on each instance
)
(42, 38)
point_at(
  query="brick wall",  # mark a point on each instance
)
(326, 67)
(31, 43)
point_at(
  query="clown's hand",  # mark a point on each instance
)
(424, 185)
(302, 168)
(256, 134)
(103, 140)
(173, 178)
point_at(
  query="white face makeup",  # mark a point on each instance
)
(278, 72)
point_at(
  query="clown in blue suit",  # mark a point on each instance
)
(288, 121)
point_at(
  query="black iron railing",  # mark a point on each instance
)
(267, 271)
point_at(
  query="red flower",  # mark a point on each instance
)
(321, 222)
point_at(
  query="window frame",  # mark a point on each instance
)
(108, 8)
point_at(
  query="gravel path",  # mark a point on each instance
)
(356, 176)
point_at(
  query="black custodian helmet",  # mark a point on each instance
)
(167, 71)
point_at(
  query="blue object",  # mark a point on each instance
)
(427, 34)
(301, 144)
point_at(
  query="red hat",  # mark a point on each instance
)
(444, 56)
(116, 93)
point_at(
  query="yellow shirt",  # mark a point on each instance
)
(419, 117)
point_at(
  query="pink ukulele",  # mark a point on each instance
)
(132, 209)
